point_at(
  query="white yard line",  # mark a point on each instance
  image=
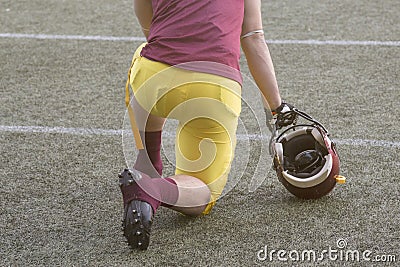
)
(141, 39)
(107, 132)
(110, 132)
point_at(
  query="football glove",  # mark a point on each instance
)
(280, 117)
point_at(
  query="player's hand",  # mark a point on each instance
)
(281, 116)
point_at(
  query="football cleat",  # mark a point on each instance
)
(305, 159)
(138, 215)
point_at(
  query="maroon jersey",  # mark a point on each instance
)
(205, 31)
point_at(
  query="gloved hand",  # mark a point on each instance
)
(281, 116)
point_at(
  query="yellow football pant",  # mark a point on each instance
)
(207, 107)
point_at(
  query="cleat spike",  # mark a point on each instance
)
(137, 224)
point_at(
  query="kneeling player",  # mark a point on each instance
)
(189, 71)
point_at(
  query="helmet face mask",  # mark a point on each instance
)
(305, 159)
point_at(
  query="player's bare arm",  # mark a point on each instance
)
(257, 53)
(144, 13)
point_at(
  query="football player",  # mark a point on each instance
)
(189, 70)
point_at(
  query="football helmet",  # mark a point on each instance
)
(305, 159)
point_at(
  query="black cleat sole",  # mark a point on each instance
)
(136, 225)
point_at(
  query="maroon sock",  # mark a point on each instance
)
(155, 191)
(149, 159)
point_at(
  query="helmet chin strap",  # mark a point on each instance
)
(309, 118)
